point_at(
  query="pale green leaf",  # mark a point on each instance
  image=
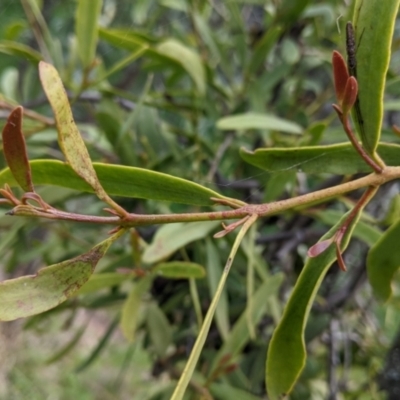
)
(87, 15)
(187, 58)
(180, 270)
(258, 121)
(170, 238)
(50, 286)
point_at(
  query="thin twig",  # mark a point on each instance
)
(261, 210)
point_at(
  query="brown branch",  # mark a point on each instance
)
(261, 210)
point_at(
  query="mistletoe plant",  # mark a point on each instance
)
(359, 89)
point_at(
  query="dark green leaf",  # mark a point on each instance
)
(383, 261)
(334, 159)
(119, 180)
(374, 22)
(286, 353)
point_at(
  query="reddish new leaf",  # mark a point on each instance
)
(319, 248)
(15, 150)
(350, 95)
(340, 74)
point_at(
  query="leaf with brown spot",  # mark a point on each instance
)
(50, 286)
(15, 150)
(69, 138)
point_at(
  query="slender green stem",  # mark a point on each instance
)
(201, 338)
(196, 301)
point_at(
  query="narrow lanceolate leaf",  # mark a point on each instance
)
(373, 21)
(181, 270)
(187, 58)
(69, 138)
(287, 353)
(118, 180)
(14, 148)
(34, 294)
(383, 261)
(258, 121)
(87, 15)
(339, 159)
(21, 50)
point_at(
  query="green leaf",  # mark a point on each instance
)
(130, 309)
(87, 15)
(159, 329)
(123, 38)
(119, 180)
(374, 23)
(14, 148)
(287, 353)
(181, 270)
(21, 50)
(187, 58)
(101, 281)
(258, 121)
(334, 159)
(383, 261)
(69, 138)
(170, 238)
(50, 286)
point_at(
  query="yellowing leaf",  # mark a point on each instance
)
(34, 294)
(69, 138)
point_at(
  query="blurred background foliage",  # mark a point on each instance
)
(160, 92)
